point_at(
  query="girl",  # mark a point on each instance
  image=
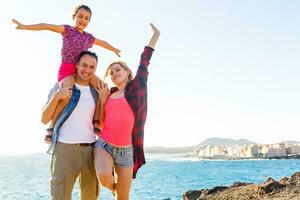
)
(75, 40)
(119, 149)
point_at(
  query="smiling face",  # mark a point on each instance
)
(86, 68)
(118, 74)
(82, 19)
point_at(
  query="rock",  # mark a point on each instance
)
(269, 186)
(295, 178)
(193, 194)
(238, 184)
(215, 190)
(283, 180)
(285, 189)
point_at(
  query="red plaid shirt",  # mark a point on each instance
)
(136, 96)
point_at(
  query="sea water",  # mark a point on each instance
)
(163, 177)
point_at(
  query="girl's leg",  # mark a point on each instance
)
(67, 82)
(104, 168)
(123, 182)
(94, 82)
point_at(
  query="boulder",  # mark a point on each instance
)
(284, 189)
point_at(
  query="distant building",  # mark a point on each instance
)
(294, 150)
(250, 151)
(279, 146)
(219, 151)
(231, 151)
(209, 151)
(276, 152)
(263, 150)
(201, 151)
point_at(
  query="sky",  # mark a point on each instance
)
(225, 68)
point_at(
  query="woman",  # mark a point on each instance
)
(119, 150)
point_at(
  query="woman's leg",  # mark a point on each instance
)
(123, 182)
(104, 168)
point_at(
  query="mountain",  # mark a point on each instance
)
(290, 142)
(189, 149)
(224, 142)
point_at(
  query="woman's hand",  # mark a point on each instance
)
(155, 30)
(102, 91)
(154, 37)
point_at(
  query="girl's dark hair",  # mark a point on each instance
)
(83, 7)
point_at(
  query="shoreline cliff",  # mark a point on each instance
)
(284, 189)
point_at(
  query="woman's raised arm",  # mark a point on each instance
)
(154, 37)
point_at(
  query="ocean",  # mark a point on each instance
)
(163, 177)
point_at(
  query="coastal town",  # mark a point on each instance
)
(248, 151)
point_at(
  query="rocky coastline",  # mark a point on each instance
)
(287, 188)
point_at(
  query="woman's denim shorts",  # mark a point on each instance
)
(122, 156)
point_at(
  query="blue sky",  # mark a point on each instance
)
(221, 68)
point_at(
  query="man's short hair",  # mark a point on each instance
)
(83, 53)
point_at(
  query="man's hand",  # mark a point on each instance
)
(64, 93)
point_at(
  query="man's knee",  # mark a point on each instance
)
(57, 188)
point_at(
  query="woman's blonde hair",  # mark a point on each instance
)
(123, 65)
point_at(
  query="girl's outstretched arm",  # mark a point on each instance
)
(154, 37)
(39, 27)
(107, 46)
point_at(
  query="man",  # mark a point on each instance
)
(73, 137)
